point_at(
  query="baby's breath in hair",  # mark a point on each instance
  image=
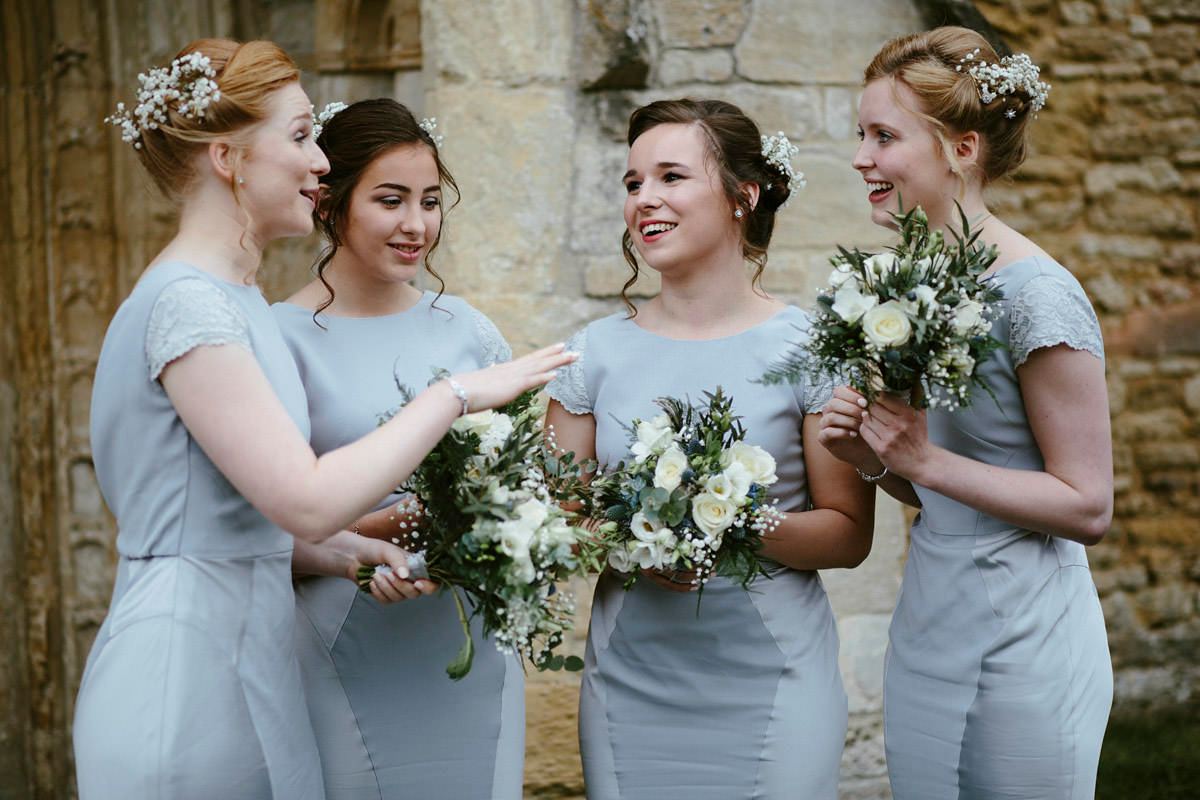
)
(327, 113)
(1013, 74)
(778, 150)
(189, 84)
(429, 125)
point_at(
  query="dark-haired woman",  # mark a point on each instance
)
(740, 696)
(389, 722)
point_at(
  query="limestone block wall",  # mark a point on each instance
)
(1111, 190)
(533, 97)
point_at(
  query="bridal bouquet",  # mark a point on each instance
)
(495, 532)
(694, 497)
(915, 315)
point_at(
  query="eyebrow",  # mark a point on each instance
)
(399, 187)
(660, 165)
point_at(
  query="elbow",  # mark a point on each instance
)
(1095, 521)
(303, 520)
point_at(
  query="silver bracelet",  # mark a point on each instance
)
(871, 478)
(460, 393)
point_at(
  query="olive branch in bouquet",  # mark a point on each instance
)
(914, 320)
(493, 530)
(693, 498)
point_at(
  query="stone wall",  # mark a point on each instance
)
(532, 96)
(1111, 189)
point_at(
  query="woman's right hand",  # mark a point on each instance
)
(496, 385)
(841, 421)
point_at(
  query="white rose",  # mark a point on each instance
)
(477, 422)
(712, 514)
(495, 434)
(968, 318)
(668, 473)
(842, 274)
(652, 437)
(620, 559)
(758, 462)
(532, 512)
(850, 304)
(515, 536)
(887, 325)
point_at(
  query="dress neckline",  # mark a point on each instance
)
(787, 307)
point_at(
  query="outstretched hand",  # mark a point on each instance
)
(497, 384)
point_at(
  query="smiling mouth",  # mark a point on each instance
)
(878, 187)
(310, 194)
(655, 228)
(408, 251)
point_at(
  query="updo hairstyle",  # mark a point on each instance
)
(247, 75)
(934, 65)
(352, 140)
(735, 147)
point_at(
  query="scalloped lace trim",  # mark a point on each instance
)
(495, 349)
(1047, 312)
(569, 386)
(190, 313)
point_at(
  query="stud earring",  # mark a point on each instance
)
(738, 213)
(241, 180)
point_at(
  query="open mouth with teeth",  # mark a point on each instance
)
(878, 188)
(656, 228)
(409, 252)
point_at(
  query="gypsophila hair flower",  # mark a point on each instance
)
(189, 84)
(429, 125)
(327, 113)
(778, 150)
(1013, 73)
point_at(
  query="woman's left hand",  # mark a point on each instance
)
(386, 586)
(897, 432)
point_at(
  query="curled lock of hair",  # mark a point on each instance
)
(735, 147)
(352, 140)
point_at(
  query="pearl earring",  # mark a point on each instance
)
(738, 213)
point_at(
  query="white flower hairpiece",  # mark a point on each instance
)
(1013, 73)
(327, 113)
(189, 84)
(778, 150)
(429, 125)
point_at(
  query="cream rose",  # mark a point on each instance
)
(968, 318)
(887, 325)
(620, 559)
(668, 472)
(758, 462)
(652, 437)
(850, 304)
(712, 514)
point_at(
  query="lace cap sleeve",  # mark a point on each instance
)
(189, 313)
(1048, 311)
(495, 348)
(569, 386)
